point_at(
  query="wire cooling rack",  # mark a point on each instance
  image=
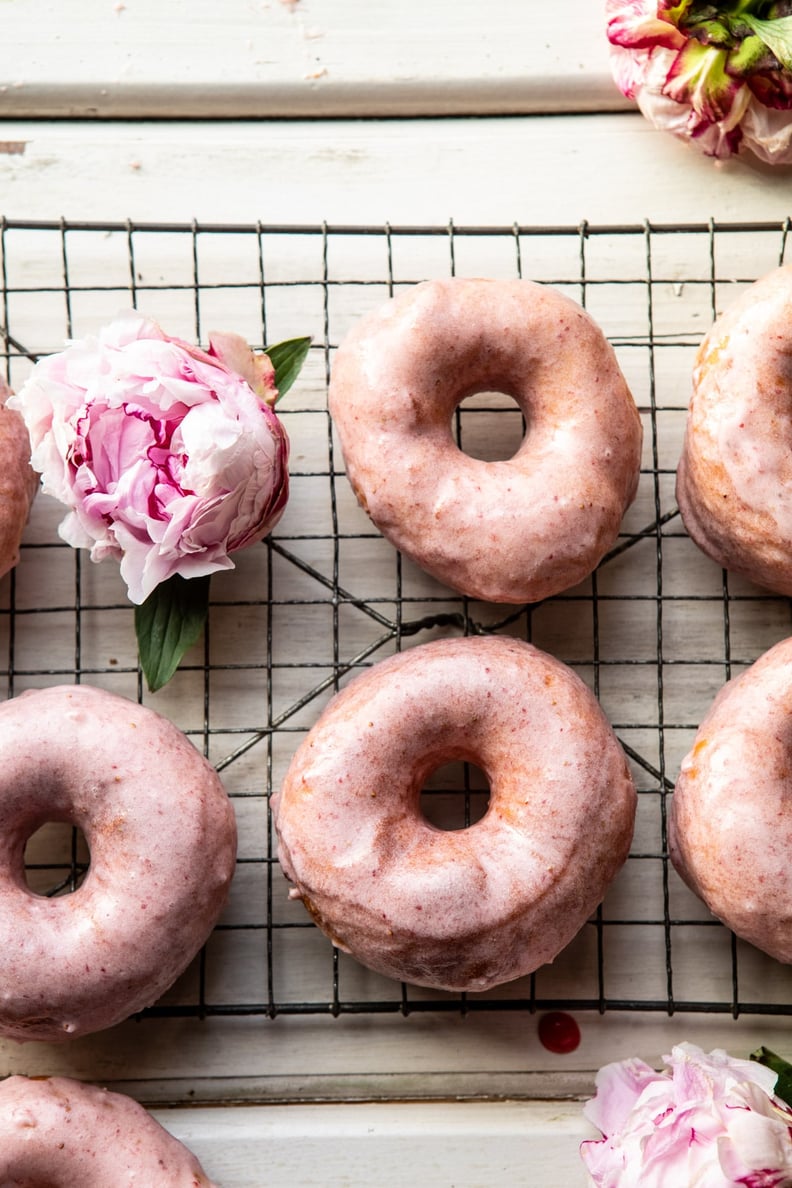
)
(654, 632)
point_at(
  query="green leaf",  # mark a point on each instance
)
(287, 358)
(777, 35)
(168, 623)
(783, 1086)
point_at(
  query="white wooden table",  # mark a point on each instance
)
(325, 114)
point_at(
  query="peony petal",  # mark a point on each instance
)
(255, 369)
(629, 71)
(128, 327)
(605, 1162)
(721, 1070)
(638, 24)
(680, 1153)
(71, 530)
(619, 1085)
(768, 134)
(756, 1149)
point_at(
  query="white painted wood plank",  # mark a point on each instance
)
(301, 58)
(377, 1057)
(439, 1145)
(605, 169)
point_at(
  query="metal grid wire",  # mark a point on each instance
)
(654, 632)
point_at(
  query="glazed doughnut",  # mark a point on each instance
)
(162, 839)
(469, 909)
(509, 531)
(18, 482)
(734, 480)
(730, 829)
(56, 1131)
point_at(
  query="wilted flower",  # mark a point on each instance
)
(719, 75)
(169, 457)
(707, 1120)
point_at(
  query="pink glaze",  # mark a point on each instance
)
(730, 831)
(734, 480)
(162, 837)
(509, 531)
(18, 482)
(469, 909)
(58, 1133)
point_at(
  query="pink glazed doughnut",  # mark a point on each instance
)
(469, 909)
(734, 479)
(162, 837)
(509, 531)
(730, 829)
(55, 1131)
(18, 481)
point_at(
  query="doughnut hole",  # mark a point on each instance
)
(456, 796)
(489, 426)
(56, 859)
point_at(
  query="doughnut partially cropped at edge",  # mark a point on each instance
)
(468, 909)
(57, 1131)
(734, 478)
(516, 530)
(730, 828)
(162, 838)
(18, 482)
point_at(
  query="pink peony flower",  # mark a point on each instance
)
(718, 75)
(169, 457)
(707, 1120)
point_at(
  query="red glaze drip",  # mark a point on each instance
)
(558, 1032)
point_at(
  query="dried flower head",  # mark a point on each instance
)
(717, 75)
